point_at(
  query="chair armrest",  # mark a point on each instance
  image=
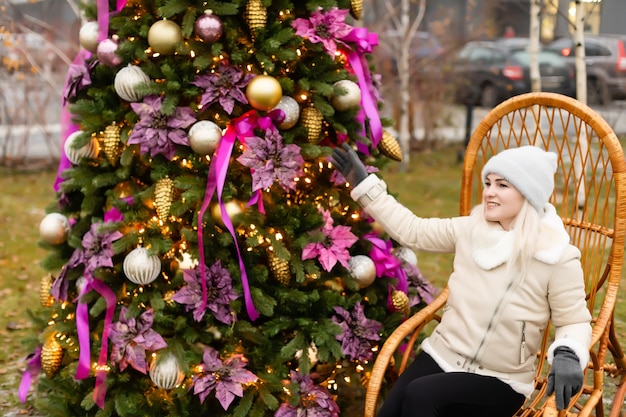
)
(385, 355)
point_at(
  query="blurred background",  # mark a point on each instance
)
(447, 80)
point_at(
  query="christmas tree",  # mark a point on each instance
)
(204, 256)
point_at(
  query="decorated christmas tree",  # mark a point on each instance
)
(204, 256)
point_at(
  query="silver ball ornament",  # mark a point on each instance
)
(165, 371)
(140, 267)
(291, 108)
(54, 228)
(204, 136)
(347, 95)
(208, 27)
(406, 255)
(363, 270)
(74, 154)
(107, 53)
(88, 36)
(127, 80)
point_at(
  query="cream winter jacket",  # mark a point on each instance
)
(492, 324)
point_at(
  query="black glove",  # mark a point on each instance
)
(565, 378)
(349, 164)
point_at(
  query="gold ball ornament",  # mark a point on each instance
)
(51, 356)
(312, 119)
(165, 371)
(255, 16)
(291, 108)
(112, 145)
(347, 95)
(204, 136)
(280, 268)
(356, 8)
(264, 92)
(127, 80)
(140, 267)
(400, 302)
(75, 154)
(390, 147)
(233, 209)
(88, 36)
(164, 36)
(54, 228)
(163, 197)
(363, 270)
(45, 298)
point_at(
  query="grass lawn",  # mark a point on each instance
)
(430, 188)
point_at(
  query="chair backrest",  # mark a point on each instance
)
(589, 189)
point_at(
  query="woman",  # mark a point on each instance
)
(514, 270)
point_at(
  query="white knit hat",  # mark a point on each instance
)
(529, 169)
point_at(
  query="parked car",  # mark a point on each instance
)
(488, 72)
(605, 60)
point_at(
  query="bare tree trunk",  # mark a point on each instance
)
(535, 75)
(404, 72)
(579, 42)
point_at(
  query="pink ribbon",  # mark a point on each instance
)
(82, 327)
(387, 264)
(33, 368)
(239, 128)
(364, 42)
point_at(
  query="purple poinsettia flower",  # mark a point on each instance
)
(219, 293)
(325, 27)
(357, 332)
(420, 289)
(96, 251)
(132, 337)
(78, 78)
(158, 133)
(224, 86)
(270, 160)
(334, 248)
(315, 401)
(225, 378)
(98, 248)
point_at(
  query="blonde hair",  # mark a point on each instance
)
(525, 229)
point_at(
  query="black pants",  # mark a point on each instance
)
(424, 390)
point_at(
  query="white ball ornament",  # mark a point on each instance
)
(140, 267)
(54, 228)
(74, 154)
(88, 36)
(363, 270)
(127, 80)
(204, 136)
(406, 255)
(291, 108)
(347, 95)
(165, 371)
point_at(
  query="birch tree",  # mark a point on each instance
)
(533, 47)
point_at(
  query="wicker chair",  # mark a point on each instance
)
(590, 196)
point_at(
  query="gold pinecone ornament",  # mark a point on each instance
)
(51, 356)
(312, 119)
(256, 16)
(400, 302)
(163, 197)
(112, 143)
(390, 147)
(356, 8)
(279, 268)
(45, 298)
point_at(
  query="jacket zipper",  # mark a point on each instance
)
(523, 346)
